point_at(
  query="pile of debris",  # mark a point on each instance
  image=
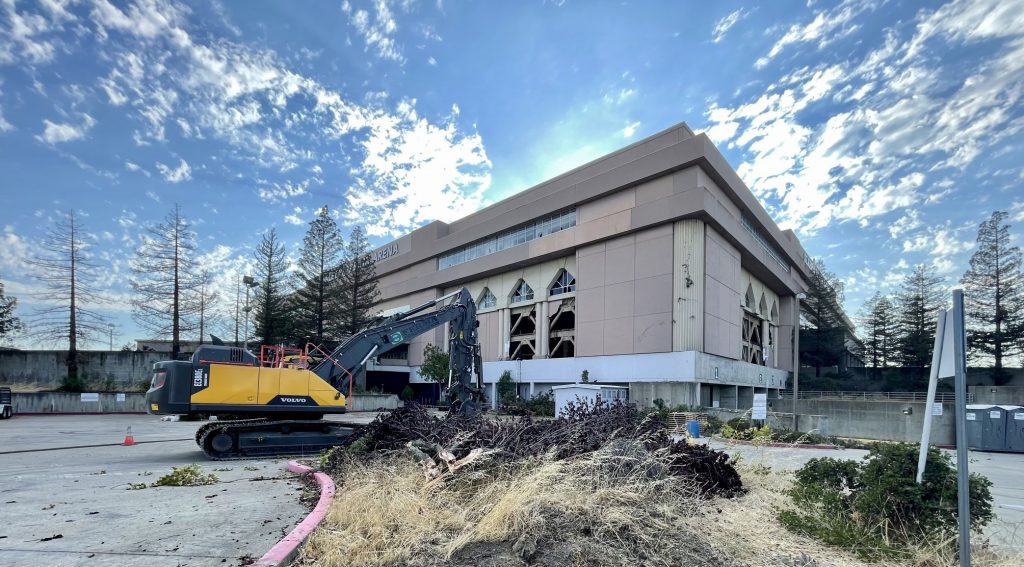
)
(445, 445)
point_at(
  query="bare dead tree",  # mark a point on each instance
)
(163, 279)
(63, 266)
(206, 300)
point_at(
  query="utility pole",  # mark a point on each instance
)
(960, 383)
(110, 327)
(249, 284)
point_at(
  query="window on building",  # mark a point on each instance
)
(762, 307)
(748, 298)
(753, 343)
(522, 334)
(522, 292)
(487, 299)
(562, 330)
(507, 239)
(564, 283)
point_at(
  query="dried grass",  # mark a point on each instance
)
(387, 513)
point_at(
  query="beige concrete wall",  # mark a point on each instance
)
(624, 294)
(688, 286)
(417, 344)
(722, 310)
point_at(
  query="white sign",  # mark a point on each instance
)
(1019, 415)
(90, 397)
(936, 409)
(760, 409)
(386, 252)
(970, 416)
(120, 397)
(995, 414)
(715, 404)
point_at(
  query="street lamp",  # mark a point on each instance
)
(249, 284)
(796, 353)
(110, 326)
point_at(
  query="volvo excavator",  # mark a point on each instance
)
(280, 399)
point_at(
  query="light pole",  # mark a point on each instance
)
(249, 284)
(110, 327)
(796, 353)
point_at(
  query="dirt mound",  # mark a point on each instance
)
(460, 440)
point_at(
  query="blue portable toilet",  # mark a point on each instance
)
(975, 422)
(1014, 429)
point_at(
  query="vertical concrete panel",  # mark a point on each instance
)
(722, 279)
(688, 285)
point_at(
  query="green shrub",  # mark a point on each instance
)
(407, 393)
(876, 508)
(541, 405)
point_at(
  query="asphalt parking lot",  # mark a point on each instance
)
(63, 506)
(1005, 470)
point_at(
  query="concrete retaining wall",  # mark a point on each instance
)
(371, 402)
(881, 420)
(779, 420)
(63, 402)
(45, 368)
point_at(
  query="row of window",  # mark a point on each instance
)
(508, 239)
(522, 292)
(761, 239)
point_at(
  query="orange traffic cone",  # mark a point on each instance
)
(128, 439)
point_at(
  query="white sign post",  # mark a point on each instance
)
(760, 409)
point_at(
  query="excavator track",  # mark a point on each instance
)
(260, 438)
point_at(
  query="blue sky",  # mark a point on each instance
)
(882, 132)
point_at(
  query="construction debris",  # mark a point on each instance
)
(445, 445)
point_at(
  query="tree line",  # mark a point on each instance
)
(326, 296)
(899, 329)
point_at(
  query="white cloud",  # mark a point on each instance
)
(415, 172)
(378, 31)
(432, 62)
(175, 174)
(826, 27)
(55, 133)
(152, 195)
(725, 24)
(13, 251)
(906, 223)
(630, 129)
(158, 71)
(915, 119)
(295, 217)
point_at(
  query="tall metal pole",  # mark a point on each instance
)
(796, 354)
(960, 377)
(246, 333)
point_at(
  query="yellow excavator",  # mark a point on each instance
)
(281, 397)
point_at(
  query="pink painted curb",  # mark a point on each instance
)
(285, 550)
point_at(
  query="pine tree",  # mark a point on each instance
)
(68, 276)
(272, 317)
(994, 296)
(317, 302)
(919, 301)
(163, 279)
(822, 344)
(878, 328)
(358, 283)
(9, 322)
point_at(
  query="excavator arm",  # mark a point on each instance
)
(385, 334)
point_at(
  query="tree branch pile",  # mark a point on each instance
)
(444, 445)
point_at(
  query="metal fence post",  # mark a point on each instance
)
(960, 376)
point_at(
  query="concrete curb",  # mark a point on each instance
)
(285, 551)
(781, 445)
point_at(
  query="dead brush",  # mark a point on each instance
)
(621, 497)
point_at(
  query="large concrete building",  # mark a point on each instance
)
(653, 267)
